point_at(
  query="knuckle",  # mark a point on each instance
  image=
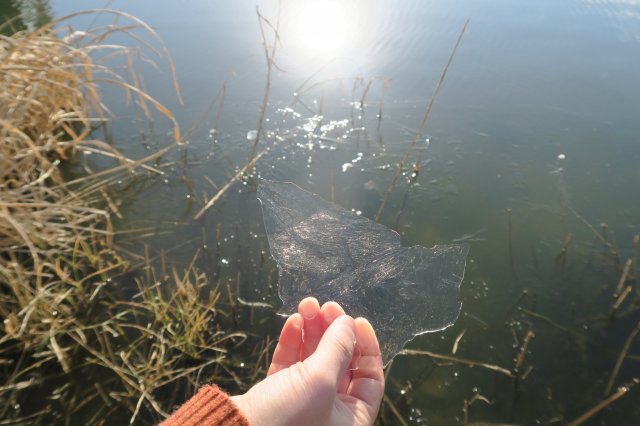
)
(343, 348)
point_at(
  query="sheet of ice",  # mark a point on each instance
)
(325, 251)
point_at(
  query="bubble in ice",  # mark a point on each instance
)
(325, 251)
(252, 135)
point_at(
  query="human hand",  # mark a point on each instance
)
(326, 370)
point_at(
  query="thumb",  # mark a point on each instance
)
(333, 354)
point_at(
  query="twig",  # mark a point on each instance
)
(516, 303)
(565, 199)
(523, 350)
(224, 189)
(262, 305)
(386, 84)
(30, 419)
(542, 317)
(527, 372)
(18, 386)
(457, 341)
(112, 205)
(405, 198)
(621, 298)
(137, 410)
(562, 257)
(269, 55)
(622, 390)
(623, 354)
(598, 235)
(457, 360)
(364, 94)
(394, 410)
(102, 394)
(482, 323)
(465, 413)
(469, 403)
(422, 123)
(623, 277)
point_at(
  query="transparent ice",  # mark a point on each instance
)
(325, 251)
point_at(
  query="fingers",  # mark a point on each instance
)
(333, 354)
(367, 382)
(302, 332)
(288, 349)
(330, 311)
(312, 329)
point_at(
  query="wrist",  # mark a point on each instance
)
(242, 402)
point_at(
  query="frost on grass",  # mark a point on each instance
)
(325, 251)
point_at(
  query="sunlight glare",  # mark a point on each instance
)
(322, 25)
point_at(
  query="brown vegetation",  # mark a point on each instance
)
(71, 335)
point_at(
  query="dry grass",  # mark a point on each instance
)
(160, 345)
(70, 336)
(52, 232)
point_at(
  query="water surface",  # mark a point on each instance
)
(532, 146)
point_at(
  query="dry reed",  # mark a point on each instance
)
(53, 232)
(65, 319)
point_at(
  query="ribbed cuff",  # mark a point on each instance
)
(210, 406)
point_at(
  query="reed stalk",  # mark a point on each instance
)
(420, 129)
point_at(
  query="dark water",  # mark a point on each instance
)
(532, 146)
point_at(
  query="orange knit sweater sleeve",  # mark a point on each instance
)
(210, 406)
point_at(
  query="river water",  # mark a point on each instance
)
(530, 154)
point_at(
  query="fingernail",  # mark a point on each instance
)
(365, 320)
(344, 319)
(309, 314)
(297, 320)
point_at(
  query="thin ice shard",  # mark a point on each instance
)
(325, 251)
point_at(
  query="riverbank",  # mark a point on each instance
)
(83, 327)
